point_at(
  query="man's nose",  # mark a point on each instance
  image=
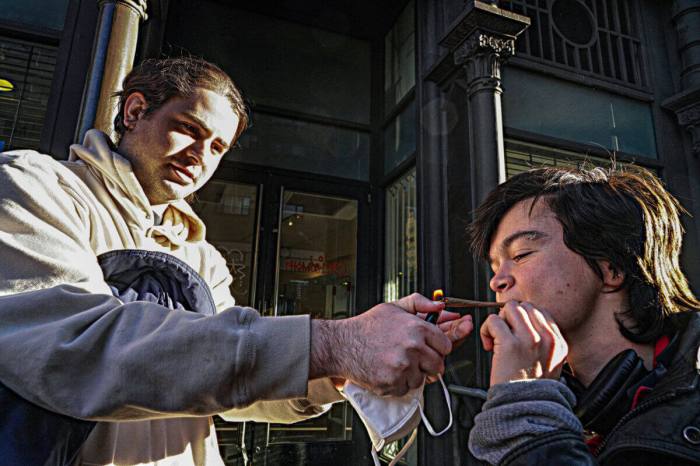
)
(502, 281)
(195, 154)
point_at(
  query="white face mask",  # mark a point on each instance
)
(389, 418)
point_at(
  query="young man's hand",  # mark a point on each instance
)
(526, 344)
(388, 349)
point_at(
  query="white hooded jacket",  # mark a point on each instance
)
(68, 345)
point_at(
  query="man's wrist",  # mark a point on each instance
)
(327, 339)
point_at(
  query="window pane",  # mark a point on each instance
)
(317, 275)
(400, 264)
(400, 138)
(564, 110)
(229, 210)
(399, 58)
(318, 247)
(522, 156)
(298, 145)
(38, 13)
(401, 253)
(29, 70)
(279, 63)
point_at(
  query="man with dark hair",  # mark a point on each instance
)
(117, 315)
(595, 352)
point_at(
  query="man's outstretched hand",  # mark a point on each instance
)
(388, 349)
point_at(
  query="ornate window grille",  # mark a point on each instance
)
(595, 37)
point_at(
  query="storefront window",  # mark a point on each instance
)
(316, 260)
(400, 138)
(399, 58)
(229, 210)
(400, 264)
(26, 72)
(539, 104)
(279, 63)
(522, 156)
(292, 144)
(35, 13)
(399, 80)
(401, 253)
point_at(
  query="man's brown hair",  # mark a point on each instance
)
(621, 215)
(161, 79)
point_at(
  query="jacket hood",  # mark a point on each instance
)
(179, 222)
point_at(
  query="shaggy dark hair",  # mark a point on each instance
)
(621, 215)
(161, 79)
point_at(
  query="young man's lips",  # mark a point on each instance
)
(184, 176)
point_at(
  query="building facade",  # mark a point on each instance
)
(377, 127)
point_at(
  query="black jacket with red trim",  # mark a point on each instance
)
(663, 429)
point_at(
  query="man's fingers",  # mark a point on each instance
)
(447, 316)
(457, 330)
(518, 319)
(494, 331)
(553, 343)
(431, 365)
(416, 302)
(561, 348)
(438, 340)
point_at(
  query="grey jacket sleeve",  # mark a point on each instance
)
(516, 413)
(89, 356)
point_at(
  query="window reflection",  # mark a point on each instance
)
(400, 138)
(317, 275)
(229, 211)
(399, 58)
(291, 144)
(401, 254)
(318, 243)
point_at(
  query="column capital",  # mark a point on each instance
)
(481, 42)
(483, 33)
(138, 6)
(686, 106)
(481, 57)
(689, 118)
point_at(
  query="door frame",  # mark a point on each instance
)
(270, 182)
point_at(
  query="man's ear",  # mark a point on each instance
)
(134, 109)
(613, 277)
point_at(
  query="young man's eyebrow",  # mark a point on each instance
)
(532, 235)
(206, 128)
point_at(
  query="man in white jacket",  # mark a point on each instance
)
(69, 346)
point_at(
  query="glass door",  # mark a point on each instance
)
(290, 251)
(316, 275)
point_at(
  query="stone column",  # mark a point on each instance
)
(113, 57)
(481, 56)
(480, 42)
(686, 104)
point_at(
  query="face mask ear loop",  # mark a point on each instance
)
(375, 457)
(405, 448)
(449, 408)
